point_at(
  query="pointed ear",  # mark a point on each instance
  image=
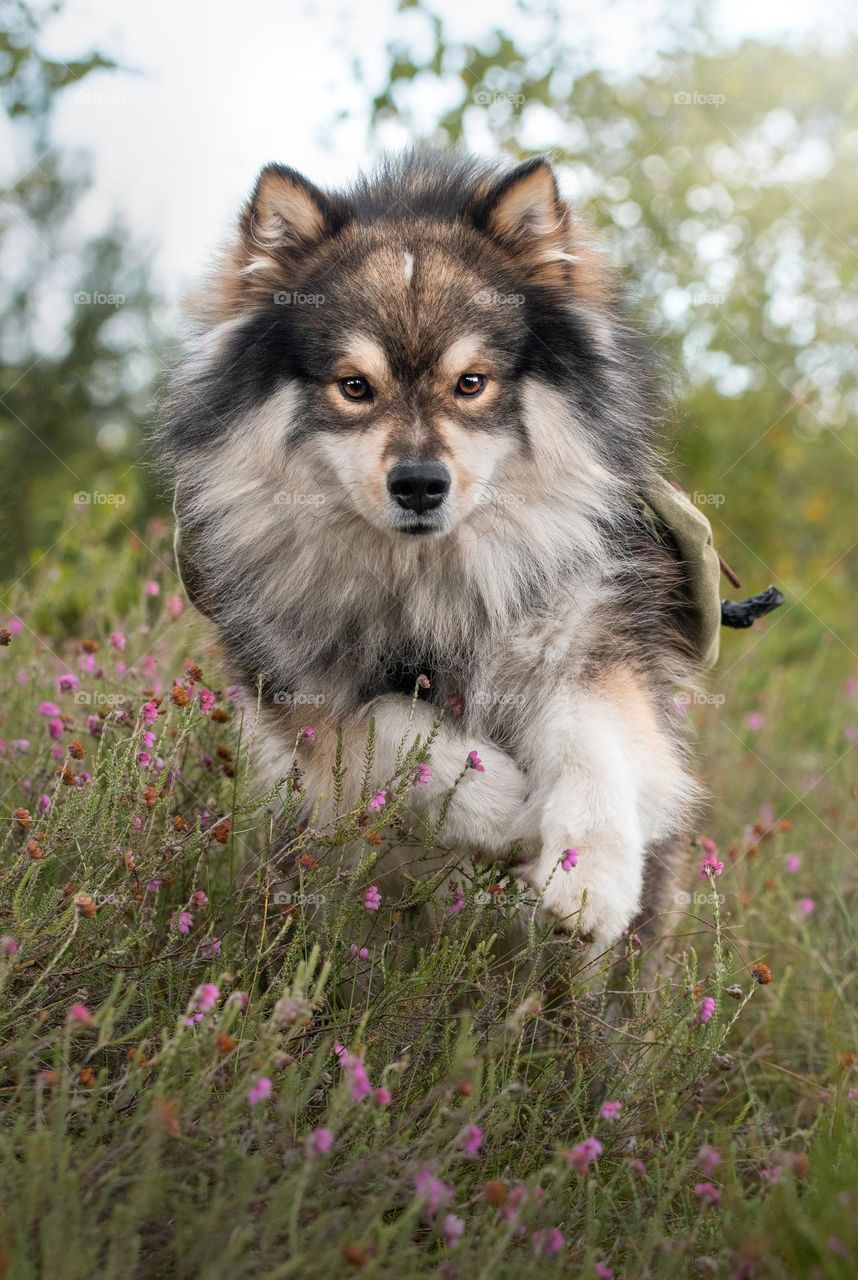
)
(286, 211)
(524, 212)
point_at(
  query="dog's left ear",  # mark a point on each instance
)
(525, 213)
(287, 211)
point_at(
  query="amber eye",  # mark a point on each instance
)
(470, 384)
(355, 388)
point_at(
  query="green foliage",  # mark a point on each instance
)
(128, 1145)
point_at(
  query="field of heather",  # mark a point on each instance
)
(217, 1060)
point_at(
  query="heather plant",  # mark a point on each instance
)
(233, 1045)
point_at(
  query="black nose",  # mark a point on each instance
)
(419, 486)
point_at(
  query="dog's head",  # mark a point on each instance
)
(415, 340)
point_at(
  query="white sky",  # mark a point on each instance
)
(219, 89)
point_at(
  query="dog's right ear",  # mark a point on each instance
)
(286, 211)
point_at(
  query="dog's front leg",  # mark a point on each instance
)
(485, 805)
(609, 782)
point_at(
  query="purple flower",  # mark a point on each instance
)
(310, 733)
(755, 720)
(206, 699)
(806, 907)
(475, 763)
(382, 1096)
(318, 1143)
(710, 866)
(610, 1110)
(434, 1193)
(48, 709)
(376, 802)
(708, 1158)
(205, 997)
(792, 862)
(422, 774)
(456, 903)
(547, 1242)
(570, 859)
(8, 945)
(55, 728)
(706, 1009)
(152, 588)
(452, 1230)
(355, 1072)
(117, 640)
(372, 898)
(582, 1156)
(181, 920)
(708, 1193)
(471, 1139)
(259, 1091)
(200, 899)
(67, 683)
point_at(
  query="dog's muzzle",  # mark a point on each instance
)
(419, 486)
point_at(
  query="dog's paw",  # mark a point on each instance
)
(487, 803)
(592, 888)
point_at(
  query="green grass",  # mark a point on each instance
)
(128, 1147)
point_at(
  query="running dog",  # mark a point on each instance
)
(408, 440)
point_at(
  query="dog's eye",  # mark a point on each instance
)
(470, 384)
(355, 388)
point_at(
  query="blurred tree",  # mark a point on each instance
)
(720, 179)
(76, 318)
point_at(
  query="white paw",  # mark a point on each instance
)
(487, 805)
(598, 896)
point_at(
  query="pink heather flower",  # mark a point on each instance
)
(152, 588)
(792, 862)
(210, 948)
(456, 904)
(383, 1096)
(570, 859)
(144, 759)
(610, 1110)
(372, 898)
(240, 998)
(80, 1013)
(637, 1166)
(547, 1241)
(150, 712)
(147, 738)
(434, 1193)
(205, 997)
(422, 774)
(515, 1199)
(8, 945)
(475, 763)
(175, 606)
(318, 1143)
(206, 699)
(362, 953)
(582, 1156)
(310, 733)
(603, 1271)
(772, 1175)
(57, 753)
(706, 1009)
(15, 625)
(471, 1139)
(355, 1072)
(708, 1159)
(55, 728)
(44, 804)
(755, 720)
(259, 1091)
(376, 802)
(710, 866)
(48, 709)
(806, 907)
(452, 1230)
(200, 899)
(708, 1193)
(67, 683)
(117, 640)
(183, 920)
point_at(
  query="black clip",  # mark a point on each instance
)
(741, 613)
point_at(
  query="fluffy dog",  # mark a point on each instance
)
(409, 438)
